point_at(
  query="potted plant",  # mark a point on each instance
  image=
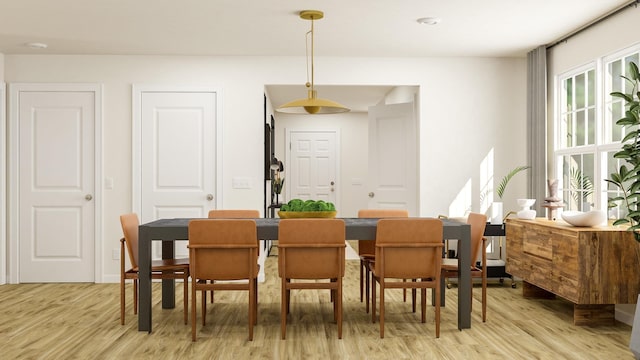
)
(627, 178)
(496, 207)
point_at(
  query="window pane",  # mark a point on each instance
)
(588, 174)
(580, 86)
(591, 126)
(568, 85)
(580, 128)
(612, 166)
(617, 110)
(569, 130)
(615, 70)
(592, 88)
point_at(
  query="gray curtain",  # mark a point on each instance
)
(537, 125)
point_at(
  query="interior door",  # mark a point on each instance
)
(56, 157)
(178, 162)
(393, 161)
(312, 165)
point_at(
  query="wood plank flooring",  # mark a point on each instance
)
(81, 321)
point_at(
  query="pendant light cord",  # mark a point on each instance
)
(307, 55)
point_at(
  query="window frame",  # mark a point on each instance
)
(604, 143)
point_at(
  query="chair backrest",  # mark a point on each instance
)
(478, 222)
(222, 249)
(409, 248)
(367, 247)
(311, 248)
(130, 223)
(234, 214)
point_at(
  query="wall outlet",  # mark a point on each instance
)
(116, 254)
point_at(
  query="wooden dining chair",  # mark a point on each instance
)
(366, 248)
(160, 269)
(233, 214)
(221, 252)
(311, 250)
(407, 249)
(478, 222)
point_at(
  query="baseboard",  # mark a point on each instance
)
(625, 313)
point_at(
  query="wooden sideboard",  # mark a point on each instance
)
(592, 267)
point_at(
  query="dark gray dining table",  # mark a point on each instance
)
(170, 230)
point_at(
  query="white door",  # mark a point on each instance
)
(178, 163)
(56, 198)
(393, 161)
(311, 165)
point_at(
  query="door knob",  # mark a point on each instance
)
(333, 183)
(371, 194)
(88, 197)
(209, 197)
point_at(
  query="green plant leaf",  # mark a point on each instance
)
(505, 180)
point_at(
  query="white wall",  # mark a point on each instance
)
(612, 35)
(468, 106)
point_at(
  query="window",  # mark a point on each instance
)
(587, 134)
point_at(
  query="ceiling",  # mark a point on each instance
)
(350, 28)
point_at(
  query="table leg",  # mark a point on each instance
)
(144, 279)
(168, 285)
(464, 278)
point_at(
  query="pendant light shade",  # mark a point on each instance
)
(312, 104)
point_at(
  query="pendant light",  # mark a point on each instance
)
(312, 104)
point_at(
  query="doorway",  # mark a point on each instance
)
(354, 182)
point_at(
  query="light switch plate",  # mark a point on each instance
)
(241, 183)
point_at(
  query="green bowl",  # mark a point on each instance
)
(306, 214)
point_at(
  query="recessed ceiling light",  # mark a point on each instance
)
(36, 45)
(429, 20)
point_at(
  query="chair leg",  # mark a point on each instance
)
(122, 300)
(361, 278)
(373, 299)
(368, 280)
(251, 309)
(339, 307)
(186, 298)
(423, 304)
(404, 294)
(437, 290)
(283, 309)
(255, 302)
(193, 309)
(413, 297)
(382, 309)
(484, 296)
(203, 304)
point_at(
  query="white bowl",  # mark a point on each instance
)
(589, 218)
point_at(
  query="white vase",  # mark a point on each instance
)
(525, 209)
(634, 342)
(496, 213)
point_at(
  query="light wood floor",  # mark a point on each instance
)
(81, 321)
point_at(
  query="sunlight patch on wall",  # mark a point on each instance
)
(461, 205)
(486, 182)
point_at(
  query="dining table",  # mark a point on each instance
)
(170, 230)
